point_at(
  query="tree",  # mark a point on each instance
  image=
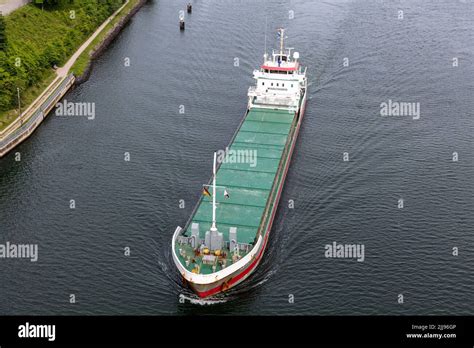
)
(3, 35)
(50, 4)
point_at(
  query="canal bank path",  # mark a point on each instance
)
(8, 6)
(20, 129)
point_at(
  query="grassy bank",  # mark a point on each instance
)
(39, 39)
(84, 59)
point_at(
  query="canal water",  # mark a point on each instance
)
(405, 191)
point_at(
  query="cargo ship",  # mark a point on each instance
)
(225, 238)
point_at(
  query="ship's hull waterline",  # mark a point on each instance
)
(245, 266)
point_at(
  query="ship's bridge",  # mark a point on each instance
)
(280, 64)
(279, 82)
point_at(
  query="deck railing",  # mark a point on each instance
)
(283, 159)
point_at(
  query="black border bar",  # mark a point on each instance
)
(223, 330)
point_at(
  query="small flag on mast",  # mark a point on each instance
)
(206, 192)
(226, 194)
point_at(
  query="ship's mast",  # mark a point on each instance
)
(265, 53)
(213, 227)
(282, 38)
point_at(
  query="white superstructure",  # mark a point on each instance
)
(280, 80)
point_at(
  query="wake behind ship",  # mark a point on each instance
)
(224, 241)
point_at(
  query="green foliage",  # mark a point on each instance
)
(43, 35)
